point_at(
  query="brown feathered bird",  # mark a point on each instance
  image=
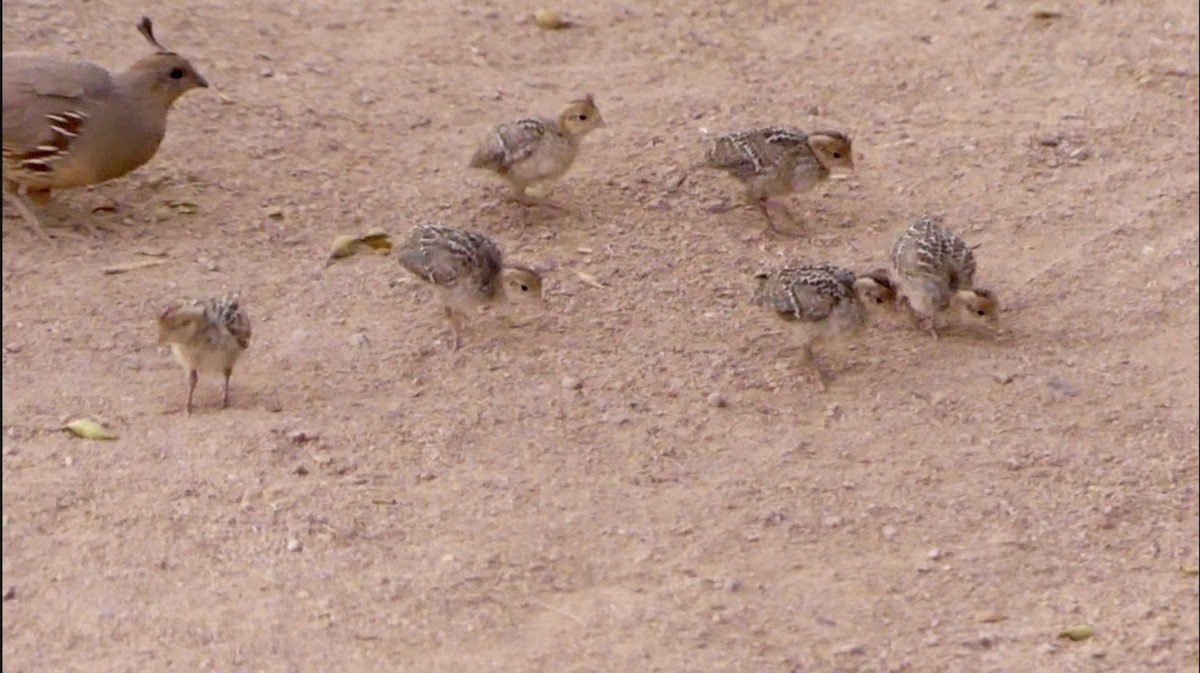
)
(466, 268)
(71, 123)
(777, 161)
(823, 301)
(934, 271)
(534, 150)
(206, 335)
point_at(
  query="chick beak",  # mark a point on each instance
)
(201, 82)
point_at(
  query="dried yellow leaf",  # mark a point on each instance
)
(377, 240)
(550, 19)
(343, 246)
(89, 429)
(1077, 633)
(185, 206)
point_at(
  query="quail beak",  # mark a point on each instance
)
(201, 82)
(600, 123)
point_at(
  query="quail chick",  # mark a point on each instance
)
(776, 161)
(934, 271)
(535, 150)
(71, 123)
(824, 301)
(206, 335)
(467, 270)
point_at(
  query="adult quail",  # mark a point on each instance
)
(71, 123)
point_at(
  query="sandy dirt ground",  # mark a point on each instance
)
(567, 496)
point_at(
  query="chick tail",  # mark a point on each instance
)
(478, 160)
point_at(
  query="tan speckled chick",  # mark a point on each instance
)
(777, 161)
(206, 335)
(934, 271)
(466, 268)
(534, 150)
(824, 301)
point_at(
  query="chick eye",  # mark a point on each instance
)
(176, 73)
(524, 287)
(878, 300)
(981, 313)
(582, 118)
(837, 155)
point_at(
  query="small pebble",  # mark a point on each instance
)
(571, 383)
(935, 553)
(13, 347)
(856, 649)
(831, 521)
(889, 532)
(1063, 387)
(294, 545)
(716, 400)
(1003, 379)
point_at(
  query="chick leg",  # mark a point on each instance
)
(920, 321)
(810, 359)
(455, 328)
(931, 328)
(193, 377)
(772, 209)
(225, 397)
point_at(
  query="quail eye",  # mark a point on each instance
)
(878, 300)
(524, 287)
(981, 313)
(837, 155)
(176, 73)
(582, 118)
